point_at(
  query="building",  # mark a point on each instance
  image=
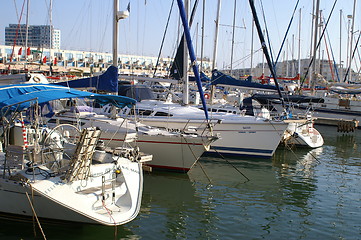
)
(39, 36)
(290, 69)
(88, 61)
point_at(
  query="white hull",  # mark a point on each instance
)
(173, 153)
(239, 135)
(301, 133)
(78, 201)
(256, 138)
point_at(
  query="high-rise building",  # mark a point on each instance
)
(41, 36)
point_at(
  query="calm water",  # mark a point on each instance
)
(299, 194)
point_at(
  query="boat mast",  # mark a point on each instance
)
(192, 55)
(265, 50)
(185, 61)
(299, 51)
(233, 30)
(117, 15)
(214, 64)
(26, 31)
(252, 35)
(115, 33)
(51, 35)
(340, 57)
(351, 40)
(312, 82)
(202, 38)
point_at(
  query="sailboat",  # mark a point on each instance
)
(47, 174)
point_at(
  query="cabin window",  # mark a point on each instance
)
(163, 114)
(144, 112)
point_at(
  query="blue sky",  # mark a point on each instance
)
(87, 25)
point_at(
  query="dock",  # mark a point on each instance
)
(343, 125)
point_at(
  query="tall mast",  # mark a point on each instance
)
(351, 40)
(287, 60)
(51, 35)
(26, 31)
(234, 26)
(214, 65)
(340, 57)
(311, 41)
(115, 33)
(185, 61)
(202, 39)
(264, 48)
(299, 50)
(117, 15)
(312, 82)
(51, 24)
(252, 35)
(293, 56)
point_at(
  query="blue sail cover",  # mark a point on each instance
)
(108, 81)
(22, 95)
(219, 78)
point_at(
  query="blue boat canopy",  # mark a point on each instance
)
(219, 78)
(22, 95)
(108, 81)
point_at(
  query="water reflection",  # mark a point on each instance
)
(299, 194)
(16, 228)
(171, 206)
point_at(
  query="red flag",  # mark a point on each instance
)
(20, 51)
(28, 51)
(55, 61)
(44, 59)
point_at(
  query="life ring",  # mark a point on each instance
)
(206, 96)
(36, 79)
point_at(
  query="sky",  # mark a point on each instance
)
(87, 25)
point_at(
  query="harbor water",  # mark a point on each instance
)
(298, 194)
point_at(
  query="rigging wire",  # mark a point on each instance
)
(288, 28)
(161, 45)
(353, 54)
(333, 57)
(16, 34)
(144, 26)
(267, 34)
(328, 56)
(318, 44)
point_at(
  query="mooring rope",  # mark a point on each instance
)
(34, 212)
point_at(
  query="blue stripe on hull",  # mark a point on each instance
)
(228, 154)
(237, 152)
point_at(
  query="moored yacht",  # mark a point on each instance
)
(47, 174)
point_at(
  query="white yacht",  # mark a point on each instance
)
(48, 174)
(240, 135)
(171, 150)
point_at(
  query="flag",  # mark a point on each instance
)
(128, 8)
(28, 51)
(20, 51)
(44, 59)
